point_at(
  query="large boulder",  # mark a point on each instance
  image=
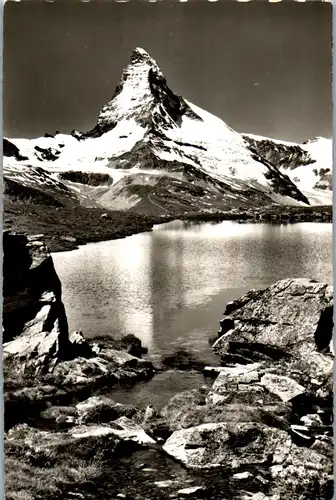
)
(228, 444)
(81, 439)
(286, 332)
(109, 367)
(253, 384)
(292, 318)
(34, 319)
(94, 410)
(193, 408)
(289, 471)
(97, 409)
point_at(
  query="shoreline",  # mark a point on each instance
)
(65, 229)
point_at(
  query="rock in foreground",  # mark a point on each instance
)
(34, 320)
(291, 318)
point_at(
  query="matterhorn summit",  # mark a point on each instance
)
(142, 96)
(154, 152)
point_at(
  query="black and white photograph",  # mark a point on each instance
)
(167, 250)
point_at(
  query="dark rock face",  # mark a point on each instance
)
(88, 178)
(281, 183)
(32, 303)
(47, 153)
(9, 149)
(280, 155)
(173, 104)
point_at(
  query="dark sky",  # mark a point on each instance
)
(263, 68)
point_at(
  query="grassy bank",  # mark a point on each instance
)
(65, 228)
(26, 481)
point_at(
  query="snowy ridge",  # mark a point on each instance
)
(309, 164)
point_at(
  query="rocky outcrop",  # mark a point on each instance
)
(10, 150)
(292, 318)
(308, 165)
(93, 179)
(88, 439)
(281, 155)
(101, 369)
(26, 395)
(34, 319)
(228, 444)
(268, 414)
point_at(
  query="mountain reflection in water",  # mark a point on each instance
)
(169, 287)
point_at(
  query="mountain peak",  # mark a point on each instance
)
(142, 96)
(141, 64)
(140, 55)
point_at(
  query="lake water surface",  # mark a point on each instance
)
(169, 287)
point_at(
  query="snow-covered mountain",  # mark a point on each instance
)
(309, 165)
(154, 152)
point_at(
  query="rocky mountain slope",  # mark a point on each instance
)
(309, 165)
(150, 151)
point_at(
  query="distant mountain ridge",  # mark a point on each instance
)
(309, 165)
(154, 152)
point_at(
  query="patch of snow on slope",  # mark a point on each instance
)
(224, 150)
(320, 149)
